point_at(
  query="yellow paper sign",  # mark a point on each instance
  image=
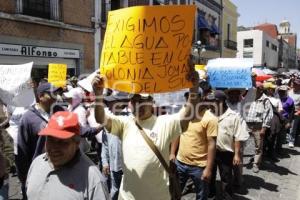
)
(57, 74)
(146, 48)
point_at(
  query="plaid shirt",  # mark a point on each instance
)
(261, 111)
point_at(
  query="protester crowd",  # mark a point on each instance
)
(139, 146)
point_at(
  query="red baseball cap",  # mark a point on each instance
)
(62, 125)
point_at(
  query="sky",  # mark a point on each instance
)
(253, 12)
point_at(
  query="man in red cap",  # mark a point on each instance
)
(63, 172)
(29, 144)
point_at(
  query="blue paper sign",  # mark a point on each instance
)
(230, 73)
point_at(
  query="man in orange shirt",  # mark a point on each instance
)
(197, 148)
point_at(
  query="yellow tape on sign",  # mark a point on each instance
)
(57, 74)
(146, 48)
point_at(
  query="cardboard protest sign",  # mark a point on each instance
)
(146, 48)
(230, 73)
(15, 88)
(57, 74)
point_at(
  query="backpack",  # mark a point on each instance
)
(277, 122)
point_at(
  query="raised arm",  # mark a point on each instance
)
(98, 85)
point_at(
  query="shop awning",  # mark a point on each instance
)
(214, 29)
(202, 23)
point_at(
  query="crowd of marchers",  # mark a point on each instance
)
(140, 145)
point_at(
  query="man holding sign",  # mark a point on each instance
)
(145, 50)
(144, 176)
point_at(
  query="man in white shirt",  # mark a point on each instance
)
(231, 132)
(144, 176)
(234, 98)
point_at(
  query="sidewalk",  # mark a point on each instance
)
(279, 180)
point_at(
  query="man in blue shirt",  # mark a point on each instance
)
(287, 114)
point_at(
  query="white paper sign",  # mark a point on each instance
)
(15, 88)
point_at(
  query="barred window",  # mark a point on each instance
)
(138, 2)
(47, 9)
(37, 8)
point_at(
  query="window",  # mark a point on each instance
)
(248, 54)
(267, 43)
(137, 2)
(274, 47)
(37, 8)
(47, 9)
(204, 37)
(108, 6)
(115, 5)
(248, 43)
(103, 11)
(228, 31)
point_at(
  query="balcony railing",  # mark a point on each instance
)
(230, 44)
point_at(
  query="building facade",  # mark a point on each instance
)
(208, 31)
(288, 41)
(260, 46)
(284, 53)
(229, 29)
(48, 31)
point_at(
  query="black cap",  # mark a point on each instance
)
(142, 96)
(217, 95)
(46, 87)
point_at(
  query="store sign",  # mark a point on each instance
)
(36, 51)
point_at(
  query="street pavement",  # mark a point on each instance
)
(280, 180)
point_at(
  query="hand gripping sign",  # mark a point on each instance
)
(146, 48)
